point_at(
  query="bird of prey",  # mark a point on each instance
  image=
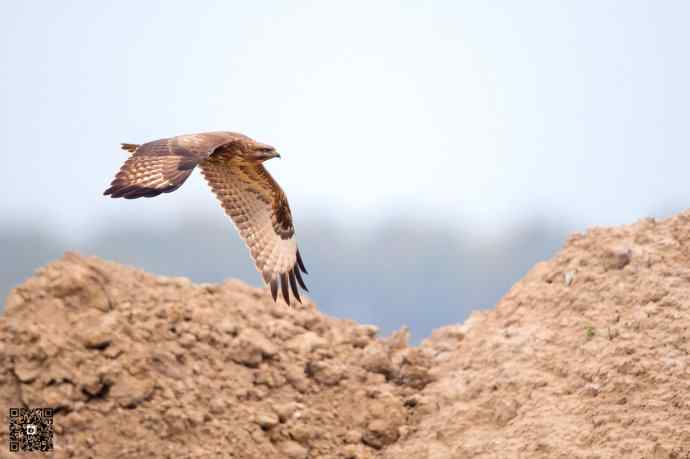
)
(232, 165)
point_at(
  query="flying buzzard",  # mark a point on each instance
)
(232, 166)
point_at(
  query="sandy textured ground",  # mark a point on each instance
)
(586, 357)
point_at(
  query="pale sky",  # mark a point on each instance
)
(480, 112)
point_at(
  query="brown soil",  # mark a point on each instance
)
(586, 357)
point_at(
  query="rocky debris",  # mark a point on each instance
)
(587, 356)
(616, 257)
(381, 432)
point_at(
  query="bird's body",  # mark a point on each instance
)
(231, 163)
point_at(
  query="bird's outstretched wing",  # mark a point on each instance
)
(258, 207)
(163, 165)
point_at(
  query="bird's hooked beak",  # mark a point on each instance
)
(267, 152)
(271, 154)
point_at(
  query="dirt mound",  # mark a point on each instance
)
(145, 366)
(588, 356)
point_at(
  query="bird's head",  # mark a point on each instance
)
(260, 152)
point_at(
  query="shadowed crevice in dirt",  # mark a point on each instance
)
(100, 394)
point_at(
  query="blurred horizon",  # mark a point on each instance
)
(421, 137)
(403, 272)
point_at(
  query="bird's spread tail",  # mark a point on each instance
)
(130, 147)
